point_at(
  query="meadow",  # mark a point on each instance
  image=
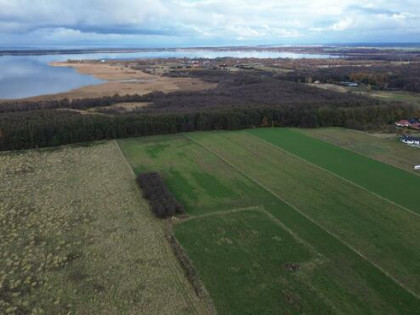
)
(384, 148)
(77, 238)
(258, 204)
(379, 178)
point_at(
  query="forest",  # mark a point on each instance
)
(241, 100)
(405, 77)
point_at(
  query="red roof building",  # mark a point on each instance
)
(403, 123)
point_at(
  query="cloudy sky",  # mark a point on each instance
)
(168, 23)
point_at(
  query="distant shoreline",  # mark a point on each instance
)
(117, 80)
(297, 49)
(290, 49)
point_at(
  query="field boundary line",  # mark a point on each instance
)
(334, 174)
(164, 249)
(308, 218)
(294, 235)
(220, 213)
(260, 209)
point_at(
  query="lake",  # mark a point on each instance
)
(26, 76)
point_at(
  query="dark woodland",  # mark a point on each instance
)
(245, 99)
(163, 203)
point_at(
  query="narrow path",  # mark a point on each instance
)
(259, 208)
(306, 216)
(218, 213)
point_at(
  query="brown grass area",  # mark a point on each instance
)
(122, 107)
(330, 87)
(76, 236)
(123, 80)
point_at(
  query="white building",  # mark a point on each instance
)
(413, 141)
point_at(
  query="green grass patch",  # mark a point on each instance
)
(242, 259)
(386, 234)
(392, 183)
(201, 181)
(385, 148)
(333, 277)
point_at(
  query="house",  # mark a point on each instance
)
(415, 126)
(413, 141)
(413, 123)
(402, 123)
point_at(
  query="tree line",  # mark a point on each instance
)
(80, 104)
(57, 127)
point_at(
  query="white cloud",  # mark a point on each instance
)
(343, 24)
(196, 21)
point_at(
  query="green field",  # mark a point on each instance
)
(242, 246)
(380, 178)
(357, 247)
(384, 148)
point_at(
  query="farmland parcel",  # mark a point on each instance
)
(75, 236)
(271, 230)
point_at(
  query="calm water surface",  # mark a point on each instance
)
(25, 76)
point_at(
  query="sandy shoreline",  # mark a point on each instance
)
(120, 80)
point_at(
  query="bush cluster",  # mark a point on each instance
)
(163, 203)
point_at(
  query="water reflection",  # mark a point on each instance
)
(30, 76)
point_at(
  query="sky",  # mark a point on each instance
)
(182, 23)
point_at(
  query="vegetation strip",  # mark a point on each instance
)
(332, 173)
(377, 177)
(307, 217)
(378, 147)
(162, 246)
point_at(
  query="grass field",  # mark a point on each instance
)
(359, 250)
(387, 150)
(76, 237)
(242, 246)
(389, 182)
(390, 96)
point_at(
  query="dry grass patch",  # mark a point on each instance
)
(122, 80)
(75, 236)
